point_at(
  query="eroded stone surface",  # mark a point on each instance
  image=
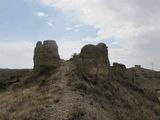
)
(119, 67)
(94, 61)
(46, 55)
(118, 71)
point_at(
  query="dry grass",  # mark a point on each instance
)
(66, 96)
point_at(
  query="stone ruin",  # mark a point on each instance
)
(118, 71)
(137, 67)
(94, 61)
(46, 55)
(119, 67)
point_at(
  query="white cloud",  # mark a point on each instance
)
(78, 26)
(41, 14)
(135, 24)
(68, 47)
(77, 30)
(68, 28)
(91, 39)
(16, 54)
(50, 23)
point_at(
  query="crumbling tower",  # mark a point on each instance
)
(94, 61)
(46, 55)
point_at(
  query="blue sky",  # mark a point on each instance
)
(19, 20)
(25, 22)
(129, 27)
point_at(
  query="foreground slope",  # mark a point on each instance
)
(64, 96)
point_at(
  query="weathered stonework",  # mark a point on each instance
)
(46, 55)
(119, 67)
(94, 61)
(118, 71)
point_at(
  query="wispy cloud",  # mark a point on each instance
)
(78, 26)
(77, 30)
(41, 14)
(50, 23)
(68, 28)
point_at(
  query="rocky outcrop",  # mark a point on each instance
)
(94, 61)
(118, 71)
(46, 55)
(119, 67)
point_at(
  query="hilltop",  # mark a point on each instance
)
(86, 87)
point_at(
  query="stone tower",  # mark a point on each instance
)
(94, 61)
(46, 55)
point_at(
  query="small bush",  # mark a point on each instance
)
(81, 86)
(76, 114)
(73, 56)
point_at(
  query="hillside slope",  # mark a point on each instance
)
(145, 78)
(63, 95)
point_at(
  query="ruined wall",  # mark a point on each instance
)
(118, 71)
(94, 61)
(46, 55)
